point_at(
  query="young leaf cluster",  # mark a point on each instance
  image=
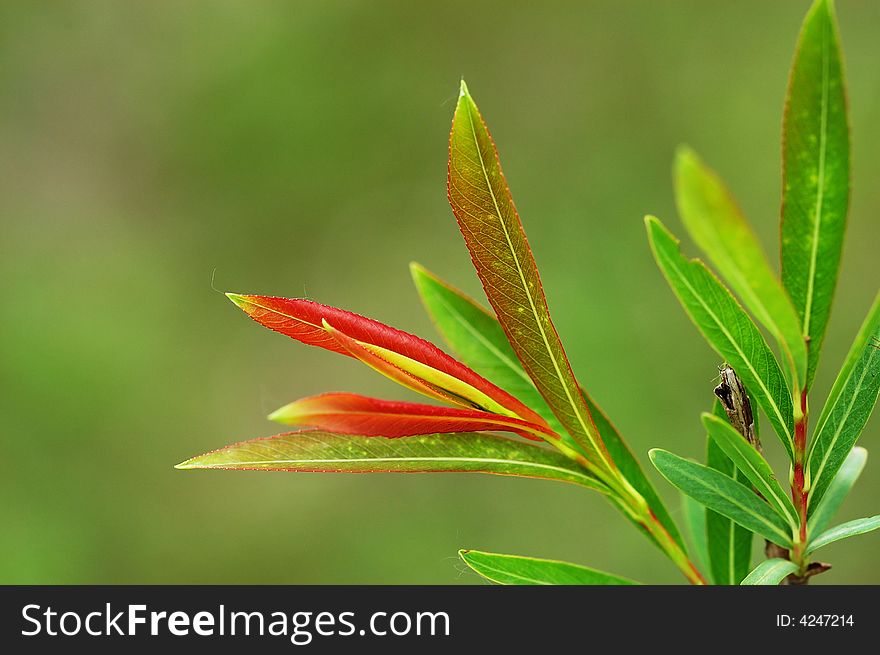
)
(509, 373)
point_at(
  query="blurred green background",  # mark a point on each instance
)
(299, 148)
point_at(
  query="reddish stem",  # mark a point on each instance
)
(672, 549)
(798, 494)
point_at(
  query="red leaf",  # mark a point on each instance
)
(349, 413)
(405, 378)
(303, 320)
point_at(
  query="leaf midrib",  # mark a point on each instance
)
(501, 573)
(770, 572)
(746, 288)
(843, 531)
(731, 550)
(765, 315)
(762, 519)
(820, 186)
(481, 400)
(773, 491)
(525, 285)
(491, 418)
(360, 460)
(733, 342)
(770, 489)
(842, 423)
(251, 301)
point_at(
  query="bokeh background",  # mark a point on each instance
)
(299, 148)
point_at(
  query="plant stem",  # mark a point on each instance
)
(798, 492)
(672, 549)
(631, 502)
(634, 504)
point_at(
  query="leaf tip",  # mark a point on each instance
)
(240, 300)
(707, 418)
(656, 228)
(417, 271)
(463, 90)
(685, 158)
(423, 278)
(684, 151)
(281, 415)
(291, 413)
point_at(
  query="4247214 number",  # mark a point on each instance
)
(815, 620)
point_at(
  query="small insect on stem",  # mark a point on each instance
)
(875, 343)
(735, 401)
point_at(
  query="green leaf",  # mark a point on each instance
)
(844, 531)
(868, 329)
(695, 524)
(770, 572)
(629, 467)
(843, 422)
(327, 452)
(476, 337)
(729, 544)
(815, 180)
(516, 570)
(716, 224)
(500, 252)
(722, 494)
(837, 491)
(727, 328)
(750, 462)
